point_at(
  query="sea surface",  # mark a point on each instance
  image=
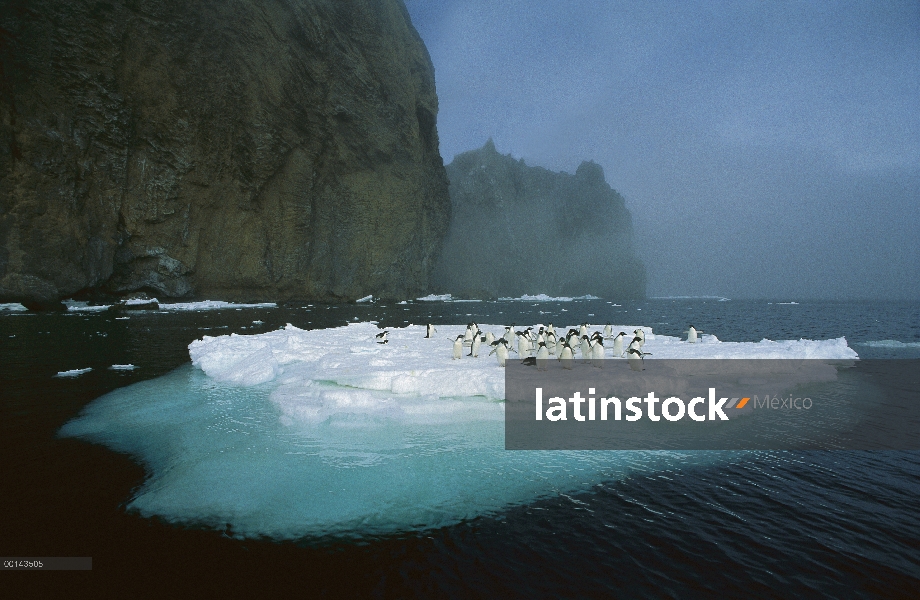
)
(830, 524)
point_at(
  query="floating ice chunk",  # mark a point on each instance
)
(890, 344)
(719, 298)
(12, 307)
(295, 433)
(75, 306)
(212, 305)
(128, 367)
(365, 299)
(436, 298)
(73, 372)
(545, 298)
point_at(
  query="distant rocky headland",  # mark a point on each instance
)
(519, 230)
(218, 148)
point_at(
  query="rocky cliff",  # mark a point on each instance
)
(526, 230)
(233, 149)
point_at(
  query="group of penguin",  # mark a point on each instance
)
(535, 348)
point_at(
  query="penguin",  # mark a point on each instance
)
(585, 348)
(429, 330)
(567, 357)
(583, 330)
(635, 344)
(618, 344)
(634, 357)
(572, 341)
(597, 353)
(382, 337)
(542, 357)
(458, 346)
(641, 335)
(474, 347)
(550, 329)
(490, 337)
(530, 361)
(523, 345)
(692, 334)
(551, 344)
(509, 333)
(500, 351)
(468, 335)
(608, 330)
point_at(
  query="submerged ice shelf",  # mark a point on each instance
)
(296, 433)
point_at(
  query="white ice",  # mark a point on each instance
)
(297, 433)
(75, 306)
(128, 367)
(545, 298)
(212, 305)
(73, 372)
(890, 344)
(12, 307)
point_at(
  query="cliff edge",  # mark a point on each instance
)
(230, 149)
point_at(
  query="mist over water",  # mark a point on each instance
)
(764, 151)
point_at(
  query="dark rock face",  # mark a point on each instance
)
(525, 230)
(232, 149)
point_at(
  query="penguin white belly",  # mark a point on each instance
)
(501, 352)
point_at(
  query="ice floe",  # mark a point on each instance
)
(300, 433)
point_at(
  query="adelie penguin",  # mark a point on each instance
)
(597, 352)
(474, 346)
(618, 344)
(634, 357)
(567, 357)
(458, 347)
(524, 346)
(430, 330)
(640, 335)
(468, 336)
(542, 357)
(692, 334)
(585, 348)
(382, 337)
(500, 351)
(608, 331)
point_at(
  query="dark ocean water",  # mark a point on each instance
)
(758, 524)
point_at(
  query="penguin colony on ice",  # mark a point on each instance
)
(535, 347)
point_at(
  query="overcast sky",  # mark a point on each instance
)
(765, 149)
